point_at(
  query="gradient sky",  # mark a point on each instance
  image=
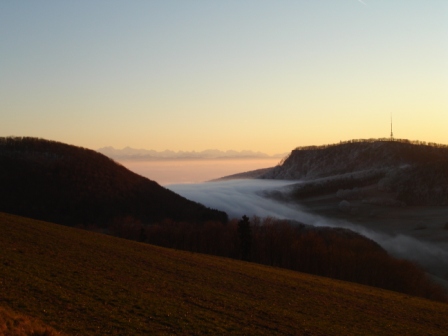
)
(235, 74)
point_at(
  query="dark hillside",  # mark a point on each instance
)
(332, 252)
(422, 184)
(354, 156)
(405, 172)
(75, 186)
(84, 283)
(245, 175)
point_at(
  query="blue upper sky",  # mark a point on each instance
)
(192, 75)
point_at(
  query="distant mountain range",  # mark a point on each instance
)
(129, 153)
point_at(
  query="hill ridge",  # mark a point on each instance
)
(312, 162)
(71, 185)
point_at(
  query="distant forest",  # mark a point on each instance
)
(405, 141)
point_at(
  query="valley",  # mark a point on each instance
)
(336, 225)
(394, 192)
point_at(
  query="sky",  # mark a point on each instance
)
(237, 74)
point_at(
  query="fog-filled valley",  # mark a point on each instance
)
(393, 192)
(247, 197)
(310, 225)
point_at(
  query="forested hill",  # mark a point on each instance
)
(70, 185)
(354, 156)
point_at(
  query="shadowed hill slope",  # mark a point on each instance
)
(85, 283)
(253, 174)
(354, 156)
(412, 173)
(75, 186)
(421, 184)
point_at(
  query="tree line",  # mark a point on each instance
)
(372, 140)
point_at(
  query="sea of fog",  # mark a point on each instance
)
(244, 197)
(194, 171)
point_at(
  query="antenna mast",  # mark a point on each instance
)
(391, 132)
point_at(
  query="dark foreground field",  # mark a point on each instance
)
(84, 283)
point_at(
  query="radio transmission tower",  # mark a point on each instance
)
(391, 132)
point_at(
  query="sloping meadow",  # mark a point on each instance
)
(85, 283)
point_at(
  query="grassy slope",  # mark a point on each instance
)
(85, 283)
(13, 324)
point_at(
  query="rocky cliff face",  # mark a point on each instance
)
(354, 156)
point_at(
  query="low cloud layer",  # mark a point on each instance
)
(243, 197)
(238, 197)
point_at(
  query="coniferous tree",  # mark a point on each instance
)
(245, 234)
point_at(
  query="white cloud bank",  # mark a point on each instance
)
(243, 197)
